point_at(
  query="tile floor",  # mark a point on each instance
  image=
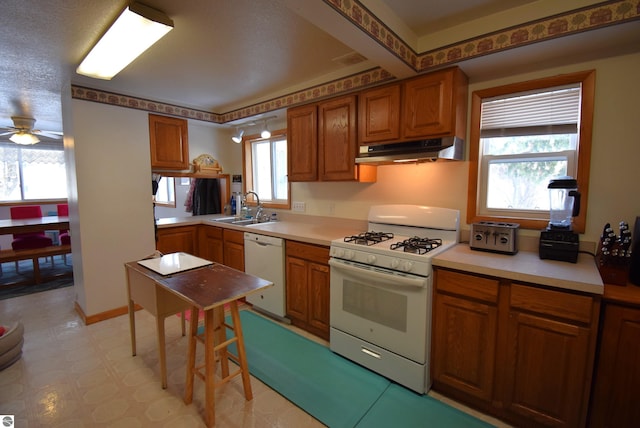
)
(72, 375)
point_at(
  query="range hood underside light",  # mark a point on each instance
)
(450, 148)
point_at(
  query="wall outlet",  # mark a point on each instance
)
(299, 206)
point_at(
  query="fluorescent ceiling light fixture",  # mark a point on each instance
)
(237, 137)
(136, 29)
(24, 138)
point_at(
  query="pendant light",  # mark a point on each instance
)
(237, 137)
(265, 131)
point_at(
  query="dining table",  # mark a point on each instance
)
(207, 288)
(29, 225)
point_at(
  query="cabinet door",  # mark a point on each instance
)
(302, 143)
(169, 142)
(297, 297)
(176, 239)
(210, 243)
(617, 382)
(428, 106)
(318, 277)
(234, 249)
(379, 115)
(545, 370)
(464, 345)
(337, 143)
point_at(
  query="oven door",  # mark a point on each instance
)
(387, 308)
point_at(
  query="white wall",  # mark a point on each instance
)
(110, 207)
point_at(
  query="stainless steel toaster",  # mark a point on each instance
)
(495, 237)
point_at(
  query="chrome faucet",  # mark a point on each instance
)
(259, 214)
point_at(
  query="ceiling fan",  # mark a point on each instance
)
(22, 131)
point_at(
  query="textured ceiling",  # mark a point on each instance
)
(222, 54)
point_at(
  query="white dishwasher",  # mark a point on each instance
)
(264, 258)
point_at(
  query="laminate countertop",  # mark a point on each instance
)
(526, 266)
(304, 228)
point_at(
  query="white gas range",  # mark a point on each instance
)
(381, 288)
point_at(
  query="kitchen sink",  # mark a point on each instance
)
(237, 221)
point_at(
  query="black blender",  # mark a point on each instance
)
(558, 241)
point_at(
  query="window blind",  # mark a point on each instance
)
(554, 111)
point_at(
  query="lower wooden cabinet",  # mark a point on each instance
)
(176, 239)
(521, 352)
(307, 279)
(233, 248)
(465, 331)
(211, 243)
(617, 383)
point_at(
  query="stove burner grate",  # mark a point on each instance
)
(417, 245)
(369, 238)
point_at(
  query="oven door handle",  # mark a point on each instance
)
(396, 279)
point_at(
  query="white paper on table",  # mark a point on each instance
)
(174, 263)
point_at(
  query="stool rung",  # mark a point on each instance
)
(228, 378)
(225, 343)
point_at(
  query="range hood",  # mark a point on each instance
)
(451, 148)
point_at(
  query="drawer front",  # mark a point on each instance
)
(549, 302)
(314, 253)
(477, 287)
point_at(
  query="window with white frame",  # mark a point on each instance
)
(166, 194)
(266, 169)
(526, 135)
(34, 172)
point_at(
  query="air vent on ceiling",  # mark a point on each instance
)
(352, 58)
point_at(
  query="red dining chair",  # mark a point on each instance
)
(64, 237)
(63, 211)
(27, 241)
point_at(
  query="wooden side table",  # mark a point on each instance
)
(208, 289)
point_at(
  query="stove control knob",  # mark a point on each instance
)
(406, 266)
(349, 254)
(338, 252)
(395, 263)
(371, 259)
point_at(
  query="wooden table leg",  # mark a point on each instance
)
(36, 271)
(162, 350)
(210, 367)
(191, 357)
(132, 326)
(242, 356)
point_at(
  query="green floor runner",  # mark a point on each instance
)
(334, 390)
(399, 407)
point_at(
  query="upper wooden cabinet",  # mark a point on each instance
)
(379, 113)
(169, 142)
(430, 106)
(322, 142)
(302, 143)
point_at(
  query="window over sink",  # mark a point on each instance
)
(265, 168)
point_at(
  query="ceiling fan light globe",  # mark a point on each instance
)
(24, 138)
(265, 134)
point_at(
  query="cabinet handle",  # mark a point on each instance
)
(370, 353)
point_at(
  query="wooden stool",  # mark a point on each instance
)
(216, 342)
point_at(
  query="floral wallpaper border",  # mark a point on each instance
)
(576, 21)
(572, 22)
